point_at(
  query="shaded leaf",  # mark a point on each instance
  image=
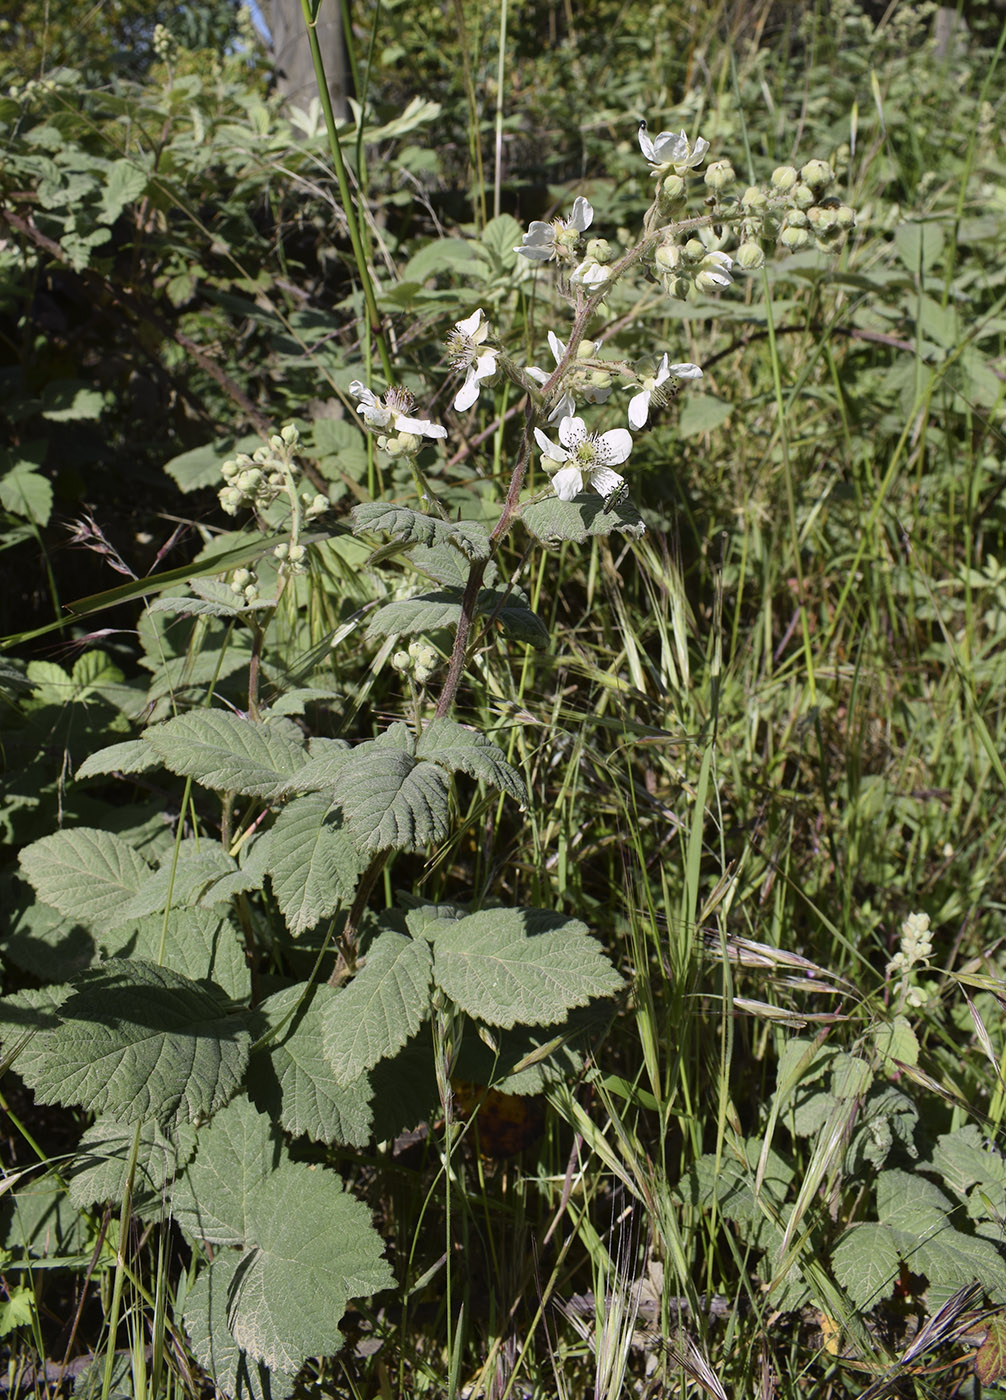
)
(459, 749)
(100, 1167)
(131, 756)
(390, 800)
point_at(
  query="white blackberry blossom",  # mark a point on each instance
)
(652, 389)
(391, 415)
(584, 459)
(566, 406)
(672, 148)
(467, 350)
(543, 242)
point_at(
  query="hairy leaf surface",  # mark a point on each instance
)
(392, 801)
(228, 753)
(85, 872)
(459, 749)
(384, 1004)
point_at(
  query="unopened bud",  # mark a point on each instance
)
(794, 238)
(818, 174)
(720, 175)
(845, 217)
(289, 434)
(402, 661)
(784, 177)
(230, 499)
(668, 257)
(672, 189)
(754, 198)
(229, 470)
(598, 250)
(750, 257)
(802, 196)
(694, 250)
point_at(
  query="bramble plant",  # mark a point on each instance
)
(193, 1074)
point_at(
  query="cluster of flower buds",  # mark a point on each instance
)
(257, 480)
(693, 264)
(244, 582)
(164, 44)
(420, 661)
(292, 558)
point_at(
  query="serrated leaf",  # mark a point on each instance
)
(100, 1167)
(949, 1258)
(137, 1041)
(124, 183)
(181, 878)
(300, 1090)
(555, 522)
(458, 749)
(24, 491)
(411, 527)
(440, 609)
(505, 966)
(391, 801)
(313, 864)
(896, 1040)
(131, 756)
(501, 238)
(910, 1203)
(234, 1374)
(227, 752)
(200, 467)
(320, 770)
(384, 1004)
(962, 1160)
(236, 1152)
(315, 1249)
(200, 943)
(84, 872)
(866, 1263)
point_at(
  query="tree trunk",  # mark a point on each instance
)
(292, 53)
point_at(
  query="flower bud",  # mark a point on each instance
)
(598, 250)
(784, 177)
(281, 551)
(754, 198)
(750, 257)
(794, 238)
(600, 379)
(249, 481)
(668, 257)
(241, 579)
(275, 479)
(402, 661)
(289, 434)
(672, 189)
(818, 174)
(251, 593)
(296, 553)
(694, 250)
(720, 175)
(845, 217)
(802, 196)
(409, 443)
(229, 470)
(231, 500)
(276, 443)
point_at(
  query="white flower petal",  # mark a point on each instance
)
(422, 427)
(565, 408)
(639, 409)
(582, 214)
(556, 346)
(365, 395)
(485, 365)
(572, 432)
(568, 483)
(469, 326)
(548, 447)
(538, 254)
(687, 371)
(604, 480)
(538, 375)
(646, 145)
(468, 392)
(612, 447)
(662, 371)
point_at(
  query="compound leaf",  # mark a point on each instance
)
(201, 943)
(205, 1316)
(456, 748)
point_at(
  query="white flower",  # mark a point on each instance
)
(542, 242)
(590, 273)
(714, 271)
(672, 148)
(566, 406)
(390, 415)
(464, 350)
(639, 404)
(584, 459)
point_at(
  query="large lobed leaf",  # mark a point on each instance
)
(554, 522)
(409, 526)
(527, 966)
(391, 800)
(459, 749)
(85, 872)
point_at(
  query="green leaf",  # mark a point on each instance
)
(919, 245)
(384, 1004)
(501, 238)
(181, 878)
(228, 752)
(100, 1167)
(200, 943)
(234, 1373)
(459, 749)
(85, 872)
(313, 864)
(434, 611)
(391, 801)
(319, 772)
(124, 183)
(555, 522)
(961, 1160)
(866, 1263)
(26, 492)
(505, 966)
(896, 1040)
(949, 1259)
(69, 400)
(908, 1203)
(379, 517)
(299, 1090)
(131, 756)
(236, 1153)
(137, 1041)
(701, 413)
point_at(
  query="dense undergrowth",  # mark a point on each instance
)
(609, 1003)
